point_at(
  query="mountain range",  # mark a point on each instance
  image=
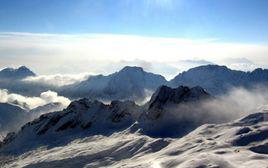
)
(94, 117)
(105, 126)
(122, 134)
(219, 79)
(133, 83)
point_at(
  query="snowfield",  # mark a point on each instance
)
(239, 144)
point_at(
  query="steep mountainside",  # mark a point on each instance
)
(81, 118)
(131, 83)
(12, 117)
(219, 79)
(172, 112)
(84, 118)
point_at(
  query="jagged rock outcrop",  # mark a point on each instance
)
(173, 111)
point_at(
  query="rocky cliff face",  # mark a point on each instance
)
(173, 111)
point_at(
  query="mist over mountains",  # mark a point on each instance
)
(169, 129)
(99, 120)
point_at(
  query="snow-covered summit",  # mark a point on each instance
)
(130, 83)
(219, 79)
(174, 111)
(19, 73)
(166, 95)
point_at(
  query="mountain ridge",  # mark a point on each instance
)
(87, 117)
(128, 83)
(133, 83)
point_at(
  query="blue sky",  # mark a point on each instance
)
(78, 36)
(228, 20)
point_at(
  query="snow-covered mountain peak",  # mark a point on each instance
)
(130, 83)
(23, 69)
(19, 73)
(132, 69)
(81, 118)
(165, 95)
(170, 111)
(83, 105)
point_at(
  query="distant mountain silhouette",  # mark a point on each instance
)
(19, 73)
(219, 79)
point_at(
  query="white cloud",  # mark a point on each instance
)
(32, 102)
(243, 64)
(58, 79)
(53, 53)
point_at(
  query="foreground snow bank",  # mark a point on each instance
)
(239, 144)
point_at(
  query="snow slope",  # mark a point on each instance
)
(238, 144)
